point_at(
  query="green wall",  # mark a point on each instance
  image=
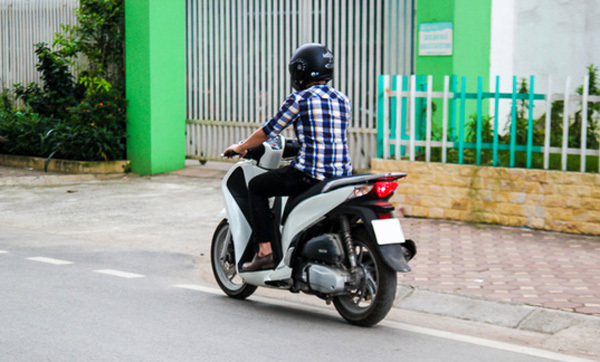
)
(155, 85)
(471, 40)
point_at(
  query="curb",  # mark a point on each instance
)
(53, 180)
(484, 310)
(66, 166)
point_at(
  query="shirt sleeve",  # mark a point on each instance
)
(284, 117)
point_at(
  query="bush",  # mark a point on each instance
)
(93, 130)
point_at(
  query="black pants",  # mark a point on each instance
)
(285, 181)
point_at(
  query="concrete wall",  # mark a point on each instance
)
(545, 37)
(550, 200)
(559, 38)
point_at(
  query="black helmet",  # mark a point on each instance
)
(311, 62)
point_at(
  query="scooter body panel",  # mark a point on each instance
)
(311, 210)
(238, 220)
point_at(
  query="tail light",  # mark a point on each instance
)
(383, 189)
(384, 210)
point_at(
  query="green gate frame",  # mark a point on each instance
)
(155, 85)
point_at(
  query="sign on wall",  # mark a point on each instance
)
(435, 39)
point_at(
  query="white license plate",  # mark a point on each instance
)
(388, 231)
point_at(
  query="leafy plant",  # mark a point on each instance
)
(58, 90)
(100, 37)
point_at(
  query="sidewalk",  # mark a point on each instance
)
(533, 267)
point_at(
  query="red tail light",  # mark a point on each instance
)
(383, 189)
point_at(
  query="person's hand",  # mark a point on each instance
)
(235, 148)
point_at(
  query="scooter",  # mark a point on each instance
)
(337, 241)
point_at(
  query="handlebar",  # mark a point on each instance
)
(229, 154)
(291, 149)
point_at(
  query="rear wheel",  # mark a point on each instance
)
(371, 302)
(222, 257)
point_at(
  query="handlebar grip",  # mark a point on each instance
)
(229, 154)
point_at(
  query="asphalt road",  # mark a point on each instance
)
(66, 299)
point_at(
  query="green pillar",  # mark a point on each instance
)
(471, 45)
(155, 85)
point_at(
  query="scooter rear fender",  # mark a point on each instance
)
(394, 255)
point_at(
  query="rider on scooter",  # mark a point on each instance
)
(320, 115)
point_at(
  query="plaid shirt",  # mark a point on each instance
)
(320, 115)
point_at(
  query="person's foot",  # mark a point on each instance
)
(259, 263)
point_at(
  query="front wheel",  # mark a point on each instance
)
(222, 257)
(371, 302)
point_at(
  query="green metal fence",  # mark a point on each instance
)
(412, 126)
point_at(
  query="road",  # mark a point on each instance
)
(83, 301)
(118, 270)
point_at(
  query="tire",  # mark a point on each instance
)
(379, 290)
(224, 270)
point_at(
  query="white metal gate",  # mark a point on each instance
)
(237, 54)
(22, 24)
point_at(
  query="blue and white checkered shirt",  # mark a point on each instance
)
(320, 115)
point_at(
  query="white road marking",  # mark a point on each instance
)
(536, 352)
(199, 288)
(3, 252)
(50, 260)
(118, 273)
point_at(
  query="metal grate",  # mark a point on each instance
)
(24, 23)
(237, 54)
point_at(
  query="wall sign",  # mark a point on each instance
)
(435, 39)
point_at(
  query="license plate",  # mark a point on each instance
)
(388, 231)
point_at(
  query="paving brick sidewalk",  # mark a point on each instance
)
(547, 269)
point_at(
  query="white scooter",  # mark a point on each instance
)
(338, 240)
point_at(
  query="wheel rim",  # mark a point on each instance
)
(224, 257)
(363, 298)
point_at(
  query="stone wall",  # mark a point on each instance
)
(550, 200)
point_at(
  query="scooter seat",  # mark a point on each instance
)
(334, 183)
(294, 201)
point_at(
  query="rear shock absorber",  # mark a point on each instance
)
(348, 242)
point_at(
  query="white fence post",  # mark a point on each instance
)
(445, 118)
(411, 109)
(584, 121)
(399, 97)
(547, 127)
(428, 119)
(386, 117)
(565, 139)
